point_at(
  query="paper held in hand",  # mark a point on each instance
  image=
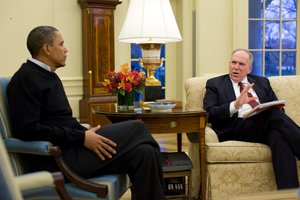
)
(264, 106)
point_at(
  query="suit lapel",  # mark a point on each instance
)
(256, 87)
(228, 89)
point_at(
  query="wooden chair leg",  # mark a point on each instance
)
(60, 186)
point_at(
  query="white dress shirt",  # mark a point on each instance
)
(39, 63)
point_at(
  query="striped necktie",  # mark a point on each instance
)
(252, 103)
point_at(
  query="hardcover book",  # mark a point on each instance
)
(175, 161)
(264, 106)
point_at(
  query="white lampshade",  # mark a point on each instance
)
(149, 21)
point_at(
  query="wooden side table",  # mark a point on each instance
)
(177, 121)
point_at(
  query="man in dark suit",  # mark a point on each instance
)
(226, 106)
(40, 111)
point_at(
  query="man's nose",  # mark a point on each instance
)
(236, 66)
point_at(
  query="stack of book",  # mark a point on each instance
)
(175, 162)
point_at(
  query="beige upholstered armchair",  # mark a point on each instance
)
(235, 168)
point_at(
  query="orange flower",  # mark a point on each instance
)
(124, 80)
(125, 68)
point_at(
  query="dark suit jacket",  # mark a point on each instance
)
(219, 95)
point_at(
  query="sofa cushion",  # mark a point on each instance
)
(287, 88)
(236, 151)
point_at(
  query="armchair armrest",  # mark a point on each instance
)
(210, 135)
(34, 180)
(45, 148)
(43, 179)
(99, 189)
(15, 145)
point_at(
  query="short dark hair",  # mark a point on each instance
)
(38, 37)
(247, 52)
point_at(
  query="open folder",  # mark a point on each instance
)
(264, 106)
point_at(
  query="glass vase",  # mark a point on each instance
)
(126, 101)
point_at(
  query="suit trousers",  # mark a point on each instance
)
(275, 129)
(138, 155)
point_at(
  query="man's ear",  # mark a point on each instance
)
(46, 49)
(250, 69)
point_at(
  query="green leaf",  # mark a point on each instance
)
(122, 92)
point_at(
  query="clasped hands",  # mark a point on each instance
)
(244, 98)
(100, 145)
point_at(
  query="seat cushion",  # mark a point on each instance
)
(117, 184)
(236, 151)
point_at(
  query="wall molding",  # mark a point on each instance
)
(74, 90)
(240, 24)
(73, 86)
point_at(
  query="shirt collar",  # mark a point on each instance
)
(244, 81)
(40, 64)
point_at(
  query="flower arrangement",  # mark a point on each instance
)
(125, 81)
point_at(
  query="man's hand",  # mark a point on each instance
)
(244, 98)
(102, 146)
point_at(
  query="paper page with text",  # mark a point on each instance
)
(264, 106)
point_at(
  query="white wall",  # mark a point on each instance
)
(122, 50)
(18, 18)
(214, 36)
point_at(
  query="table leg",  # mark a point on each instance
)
(197, 140)
(195, 158)
(179, 142)
(202, 154)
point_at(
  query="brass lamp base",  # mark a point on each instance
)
(152, 81)
(151, 61)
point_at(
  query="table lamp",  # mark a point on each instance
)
(150, 23)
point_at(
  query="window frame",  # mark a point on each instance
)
(241, 30)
